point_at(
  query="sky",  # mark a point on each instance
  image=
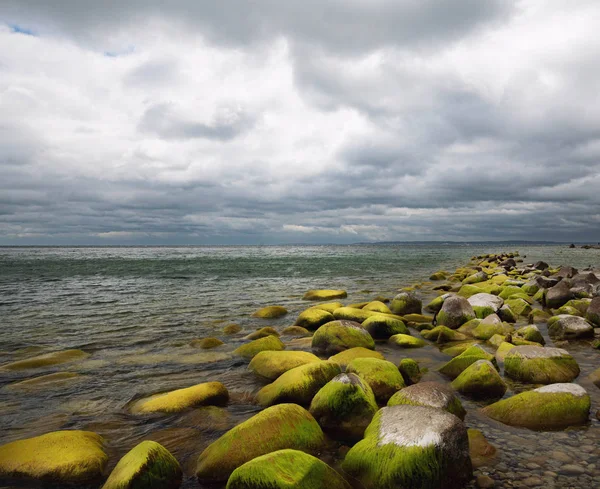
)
(298, 121)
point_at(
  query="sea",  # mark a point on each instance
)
(136, 310)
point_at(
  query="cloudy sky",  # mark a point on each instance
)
(298, 121)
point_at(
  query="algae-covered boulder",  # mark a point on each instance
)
(298, 385)
(406, 341)
(531, 287)
(519, 306)
(344, 406)
(47, 360)
(268, 343)
(207, 343)
(539, 365)
(46, 381)
(270, 312)
(262, 333)
(439, 275)
(382, 376)
(480, 380)
(506, 314)
(406, 303)
(530, 333)
(353, 314)
(312, 318)
(324, 295)
(558, 295)
(206, 394)
(459, 363)
(436, 304)
(469, 326)
(508, 290)
(60, 457)
(148, 465)
(475, 278)
(377, 306)
(455, 312)
(547, 408)
(431, 394)
(502, 351)
(593, 312)
(458, 348)
(286, 469)
(232, 329)
(297, 331)
(410, 371)
(490, 326)
(443, 334)
(345, 357)
(275, 428)
(328, 306)
(411, 447)
(272, 364)
(485, 304)
(382, 327)
(565, 327)
(538, 316)
(337, 336)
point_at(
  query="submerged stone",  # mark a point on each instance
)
(47, 360)
(270, 312)
(455, 367)
(410, 371)
(262, 333)
(206, 394)
(207, 343)
(268, 343)
(324, 295)
(272, 364)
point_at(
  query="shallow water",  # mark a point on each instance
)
(135, 311)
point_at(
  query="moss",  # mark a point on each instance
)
(459, 348)
(406, 341)
(443, 334)
(296, 331)
(480, 450)
(539, 410)
(497, 340)
(503, 350)
(298, 385)
(499, 279)
(357, 305)
(50, 380)
(262, 333)
(275, 428)
(530, 288)
(436, 304)
(568, 310)
(328, 306)
(406, 303)
(540, 296)
(540, 365)
(410, 371)
(509, 290)
(344, 407)
(581, 305)
(459, 363)
(469, 326)
(430, 394)
(480, 380)
(519, 307)
(467, 291)
(521, 295)
(418, 318)
(66, 457)
(313, 318)
(382, 376)
(530, 333)
(538, 316)
(338, 336)
(345, 357)
(324, 295)
(377, 306)
(352, 314)
(270, 312)
(271, 364)
(232, 329)
(506, 314)
(475, 278)
(382, 327)
(47, 360)
(285, 469)
(441, 275)
(207, 343)
(148, 465)
(486, 330)
(208, 393)
(269, 343)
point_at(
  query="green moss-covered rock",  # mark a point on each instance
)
(328, 306)
(502, 351)
(207, 343)
(268, 343)
(262, 333)
(382, 327)
(547, 408)
(530, 333)
(324, 295)
(539, 365)
(406, 341)
(271, 364)
(270, 312)
(406, 303)
(469, 290)
(345, 357)
(440, 275)
(475, 278)
(312, 318)
(382, 376)
(61, 457)
(338, 336)
(298, 385)
(458, 348)
(206, 394)
(377, 306)
(436, 304)
(455, 312)
(232, 329)
(417, 318)
(506, 314)
(344, 407)
(567, 327)
(275, 428)
(469, 326)
(431, 394)
(480, 380)
(490, 326)
(400, 450)
(459, 363)
(485, 304)
(567, 310)
(497, 340)
(521, 295)
(410, 371)
(540, 296)
(519, 306)
(357, 305)
(592, 313)
(530, 288)
(286, 469)
(353, 314)
(148, 465)
(297, 331)
(47, 360)
(443, 334)
(538, 316)
(509, 290)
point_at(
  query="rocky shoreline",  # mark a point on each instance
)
(328, 384)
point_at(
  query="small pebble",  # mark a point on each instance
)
(571, 469)
(485, 481)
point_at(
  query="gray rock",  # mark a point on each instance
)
(406, 303)
(593, 312)
(567, 272)
(558, 295)
(566, 327)
(430, 394)
(455, 312)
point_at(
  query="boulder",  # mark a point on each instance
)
(206, 394)
(337, 336)
(285, 469)
(547, 408)
(480, 380)
(475, 278)
(595, 377)
(491, 326)
(324, 295)
(353, 314)
(149, 464)
(46, 360)
(206, 343)
(344, 407)
(328, 306)
(383, 377)
(455, 312)
(459, 363)
(382, 327)
(406, 341)
(506, 314)
(558, 295)
(509, 290)
(268, 343)
(406, 303)
(538, 316)
(410, 371)
(298, 385)
(539, 365)
(377, 306)
(232, 329)
(345, 357)
(439, 275)
(469, 326)
(541, 265)
(502, 351)
(565, 327)
(530, 333)
(593, 312)
(312, 318)
(411, 447)
(431, 394)
(270, 312)
(443, 334)
(567, 272)
(262, 333)
(297, 331)
(436, 304)
(531, 287)
(275, 428)
(485, 304)
(519, 306)
(272, 364)
(60, 457)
